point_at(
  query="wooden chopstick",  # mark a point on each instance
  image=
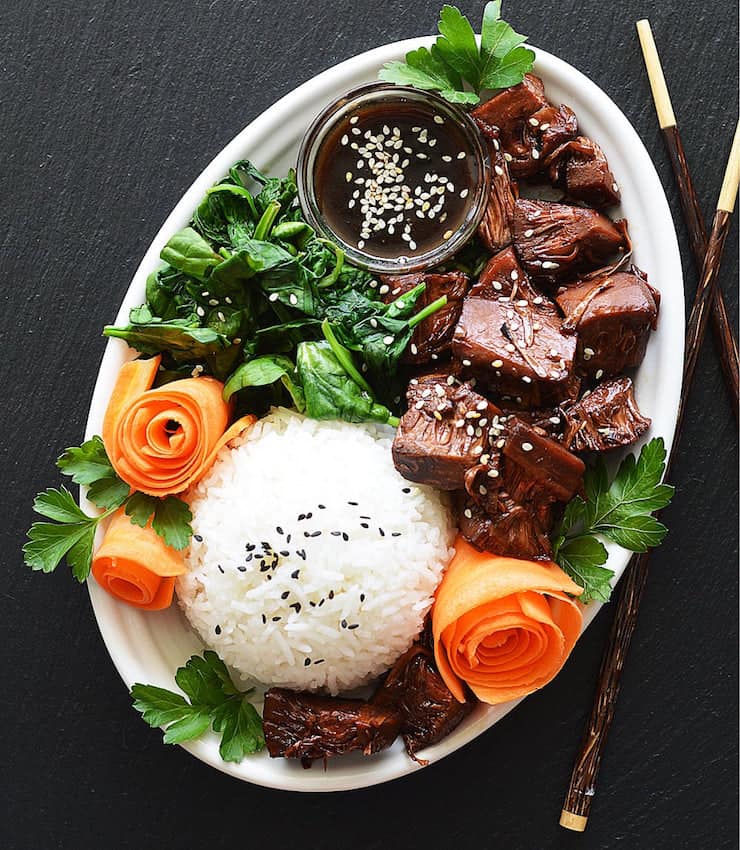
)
(723, 332)
(581, 790)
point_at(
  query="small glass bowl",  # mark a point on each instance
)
(383, 94)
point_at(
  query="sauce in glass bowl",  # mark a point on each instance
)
(397, 177)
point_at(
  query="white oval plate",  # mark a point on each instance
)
(148, 647)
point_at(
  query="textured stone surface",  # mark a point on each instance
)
(108, 111)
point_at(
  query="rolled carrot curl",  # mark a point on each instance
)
(136, 566)
(502, 626)
(162, 441)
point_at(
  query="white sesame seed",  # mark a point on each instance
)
(345, 139)
(461, 155)
(273, 297)
(467, 363)
(354, 119)
(529, 233)
(526, 379)
(499, 170)
(599, 374)
(493, 473)
(447, 234)
(497, 364)
(412, 245)
(478, 450)
(547, 264)
(361, 244)
(588, 353)
(446, 158)
(200, 311)
(508, 157)
(537, 300)
(213, 302)
(384, 289)
(468, 513)
(615, 186)
(534, 122)
(438, 119)
(514, 274)
(497, 285)
(348, 176)
(544, 127)
(535, 153)
(419, 404)
(482, 405)
(463, 194)
(293, 298)
(388, 340)
(536, 326)
(527, 447)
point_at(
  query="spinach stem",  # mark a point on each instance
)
(427, 311)
(345, 358)
(331, 278)
(264, 225)
(394, 421)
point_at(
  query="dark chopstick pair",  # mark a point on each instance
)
(708, 256)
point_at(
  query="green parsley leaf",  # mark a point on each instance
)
(49, 542)
(212, 700)
(59, 505)
(504, 61)
(582, 558)
(89, 466)
(170, 516)
(455, 58)
(620, 510)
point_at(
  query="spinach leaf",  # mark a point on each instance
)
(330, 392)
(189, 252)
(226, 215)
(182, 338)
(266, 370)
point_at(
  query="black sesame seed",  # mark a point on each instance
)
(284, 553)
(264, 619)
(354, 626)
(263, 567)
(395, 534)
(316, 534)
(294, 574)
(321, 602)
(249, 557)
(365, 517)
(297, 606)
(331, 594)
(343, 624)
(217, 630)
(269, 578)
(287, 539)
(362, 597)
(336, 534)
(312, 603)
(242, 568)
(301, 516)
(198, 538)
(306, 533)
(364, 525)
(250, 547)
(345, 536)
(406, 490)
(322, 507)
(319, 661)
(309, 515)
(265, 545)
(301, 553)
(285, 594)
(381, 532)
(279, 529)
(307, 662)
(220, 568)
(355, 504)
(275, 619)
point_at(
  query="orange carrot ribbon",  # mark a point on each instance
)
(135, 565)
(162, 441)
(503, 626)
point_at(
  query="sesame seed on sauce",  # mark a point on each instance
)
(407, 188)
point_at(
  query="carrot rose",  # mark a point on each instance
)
(162, 441)
(502, 626)
(134, 564)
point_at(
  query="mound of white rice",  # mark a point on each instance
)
(313, 562)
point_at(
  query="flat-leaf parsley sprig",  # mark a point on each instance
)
(620, 510)
(71, 532)
(455, 58)
(213, 700)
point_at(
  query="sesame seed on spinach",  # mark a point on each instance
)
(251, 295)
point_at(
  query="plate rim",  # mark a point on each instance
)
(370, 773)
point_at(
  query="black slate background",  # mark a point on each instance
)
(108, 111)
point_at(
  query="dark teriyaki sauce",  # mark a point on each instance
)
(395, 180)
